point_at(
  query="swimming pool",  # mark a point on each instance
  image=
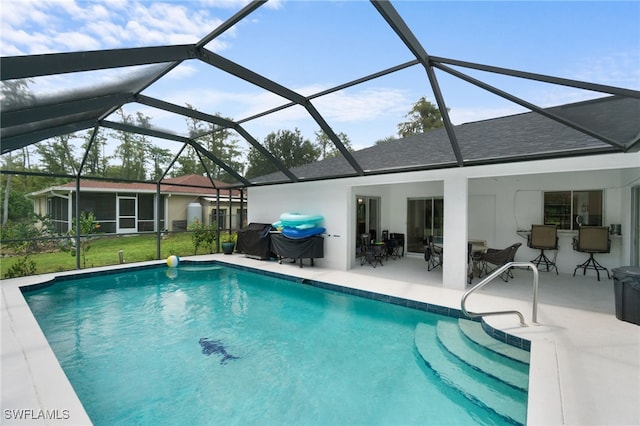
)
(212, 344)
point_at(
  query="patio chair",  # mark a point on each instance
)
(370, 253)
(544, 237)
(433, 254)
(392, 247)
(398, 242)
(492, 259)
(592, 239)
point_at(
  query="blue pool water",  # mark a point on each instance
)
(213, 344)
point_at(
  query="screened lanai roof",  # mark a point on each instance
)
(108, 80)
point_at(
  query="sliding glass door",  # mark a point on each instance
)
(367, 218)
(635, 226)
(425, 217)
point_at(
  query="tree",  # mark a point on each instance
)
(385, 140)
(188, 163)
(14, 92)
(133, 147)
(161, 157)
(219, 142)
(222, 145)
(422, 117)
(20, 207)
(327, 148)
(287, 146)
(87, 224)
(57, 155)
(5, 203)
(97, 162)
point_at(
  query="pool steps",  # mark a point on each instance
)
(440, 348)
(489, 362)
(473, 330)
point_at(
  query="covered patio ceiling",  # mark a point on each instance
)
(31, 119)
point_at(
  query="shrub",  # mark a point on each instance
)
(202, 235)
(23, 267)
(229, 237)
(88, 224)
(15, 233)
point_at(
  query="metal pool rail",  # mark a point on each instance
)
(491, 277)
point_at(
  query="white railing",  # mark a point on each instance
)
(491, 277)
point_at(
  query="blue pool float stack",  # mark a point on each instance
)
(297, 226)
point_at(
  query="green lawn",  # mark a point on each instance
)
(104, 251)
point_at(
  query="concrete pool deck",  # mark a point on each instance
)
(585, 363)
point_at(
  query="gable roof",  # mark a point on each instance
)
(187, 185)
(506, 139)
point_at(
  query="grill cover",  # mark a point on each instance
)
(304, 248)
(254, 240)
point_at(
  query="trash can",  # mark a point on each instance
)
(626, 286)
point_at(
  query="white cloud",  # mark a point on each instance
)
(69, 9)
(620, 69)
(169, 24)
(10, 50)
(24, 42)
(110, 33)
(59, 26)
(275, 4)
(363, 105)
(76, 41)
(469, 115)
(183, 71)
(228, 4)
(355, 112)
(232, 104)
(16, 12)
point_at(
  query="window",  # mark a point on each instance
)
(220, 217)
(236, 220)
(103, 206)
(570, 209)
(146, 212)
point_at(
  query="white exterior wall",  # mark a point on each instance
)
(266, 204)
(501, 200)
(519, 204)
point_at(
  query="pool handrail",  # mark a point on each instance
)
(491, 277)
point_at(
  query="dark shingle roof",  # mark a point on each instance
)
(506, 139)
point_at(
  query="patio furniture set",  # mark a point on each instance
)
(373, 252)
(483, 260)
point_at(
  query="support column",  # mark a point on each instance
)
(456, 200)
(77, 222)
(156, 217)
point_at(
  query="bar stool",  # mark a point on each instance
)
(592, 239)
(544, 237)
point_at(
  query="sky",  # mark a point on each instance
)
(310, 46)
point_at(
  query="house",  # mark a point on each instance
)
(122, 208)
(519, 170)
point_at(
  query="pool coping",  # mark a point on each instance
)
(48, 397)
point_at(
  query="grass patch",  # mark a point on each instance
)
(103, 251)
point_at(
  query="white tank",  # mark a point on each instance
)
(194, 212)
